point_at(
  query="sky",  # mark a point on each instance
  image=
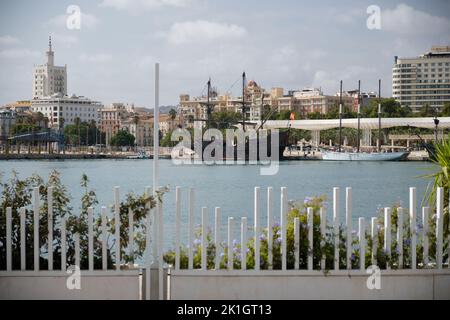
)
(285, 43)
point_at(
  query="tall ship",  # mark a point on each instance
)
(361, 156)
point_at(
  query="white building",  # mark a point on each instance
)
(49, 79)
(59, 107)
(423, 80)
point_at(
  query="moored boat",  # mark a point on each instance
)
(363, 156)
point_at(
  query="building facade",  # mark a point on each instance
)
(64, 110)
(49, 79)
(423, 80)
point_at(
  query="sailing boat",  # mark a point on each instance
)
(362, 156)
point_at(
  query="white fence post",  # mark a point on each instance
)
(323, 226)
(191, 230)
(131, 235)
(387, 235)
(23, 239)
(362, 243)
(50, 227)
(117, 225)
(177, 226)
(425, 239)
(439, 226)
(336, 226)
(104, 240)
(284, 209)
(310, 238)
(244, 243)
(76, 237)
(374, 235)
(217, 237)
(37, 248)
(63, 244)
(160, 239)
(8, 239)
(348, 222)
(400, 237)
(230, 243)
(412, 219)
(297, 242)
(204, 244)
(270, 227)
(257, 228)
(90, 238)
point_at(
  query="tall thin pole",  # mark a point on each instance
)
(243, 101)
(340, 118)
(156, 130)
(379, 115)
(359, 116)
(208, 107)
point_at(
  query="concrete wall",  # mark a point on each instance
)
(396, 284)
(51, 285)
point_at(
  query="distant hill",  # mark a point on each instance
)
(162, 109)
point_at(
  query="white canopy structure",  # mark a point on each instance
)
(366, 123)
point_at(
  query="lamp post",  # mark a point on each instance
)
(436, 124)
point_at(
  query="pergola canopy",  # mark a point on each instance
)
(366, 123)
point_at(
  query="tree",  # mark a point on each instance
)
(122, 138)
(77, 124)
(446, 110)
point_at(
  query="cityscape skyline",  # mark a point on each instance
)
(192, 48)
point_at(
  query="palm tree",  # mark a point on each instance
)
(61, 128)
(77, 124)
(93, 125)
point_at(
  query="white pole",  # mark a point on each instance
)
(90, 239)
(270, 227)
(230, 243)
(8, 239)
(439, 226)
(117, 225)
(104, 240)
(362, 244)
(387, 235)
(425, 241)
(217, 237)
(156, 130)
(159, 212)
(76, 237)
(336, 226)
(348, 222)
(63, 245)
(323, 225)
(256, 222)
(191, 230)
(412, 217)
(374, 235)
(204, 244)
(36, 229)
(284, 209)
(177, 226)
(310, 237)
(296, 242)
(22, 240)
(131, 235)
(244, 243)
(400, 237)
(50, 227)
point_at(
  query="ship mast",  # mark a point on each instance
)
(340, 118)
(379, 115)
(359, 116)
(243, 101)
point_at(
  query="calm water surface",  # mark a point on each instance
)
(375, 184)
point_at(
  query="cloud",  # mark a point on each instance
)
(135, 6)
(88, 21)
(18, 53)
(8, 40)
(202, 30)
(406, 20)
(96, 58)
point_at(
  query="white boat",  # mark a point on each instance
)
(363, 156)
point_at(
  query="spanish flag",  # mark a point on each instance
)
(292, 116)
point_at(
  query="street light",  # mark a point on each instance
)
(436, 124)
